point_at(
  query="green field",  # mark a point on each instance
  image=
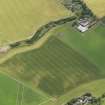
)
(14, 93)
(45, 68)
(20, 19)
(90, 44)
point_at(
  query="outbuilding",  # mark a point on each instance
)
(82, 28)
(83, 25)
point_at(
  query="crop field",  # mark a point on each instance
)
(20, 19)
(97, 6)
(45, 68)
(13, 93)
(90, 44)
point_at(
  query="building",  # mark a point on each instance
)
(83, 24)
(82, 28)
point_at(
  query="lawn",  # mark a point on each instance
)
(20, 19)
(13, 93)
(90, 44)
(97, 6)
(46, 67)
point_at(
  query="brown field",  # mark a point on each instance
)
(97, 6)
(20, 19)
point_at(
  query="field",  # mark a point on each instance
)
(60, 66)
(90, 44)
(19, 20)
(97, 6)
(45, 68)
(13, 93)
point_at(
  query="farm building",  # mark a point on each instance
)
(83, 25)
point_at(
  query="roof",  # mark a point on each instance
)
(84, 22)
(82, 28)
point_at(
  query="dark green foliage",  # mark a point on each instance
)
(13, 45)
